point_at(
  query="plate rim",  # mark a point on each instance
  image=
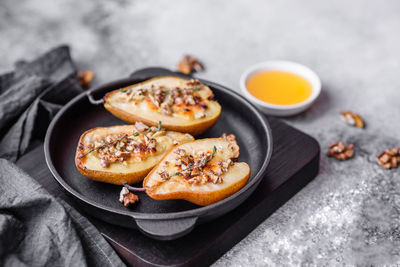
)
(197, 212)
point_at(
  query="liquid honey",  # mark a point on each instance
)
(279, 87)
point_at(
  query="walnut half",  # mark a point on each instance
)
(85, 78)
(127, 198)
(340, 151)
(389, 158)
(189, 64)
(352, 118)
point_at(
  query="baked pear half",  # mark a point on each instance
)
(202, 172)
(124, 154)
(181, 105)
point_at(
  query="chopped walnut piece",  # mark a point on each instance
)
(225, 164)
(179, 151)
(189, 100)
(199, 115)
(127, 198)
(164, 175)
(81, 146)
(104, 162)
(352, 119)
(215, 179)
(389, 158)
(196, 180)
(166, 109)
(193, 82)
(85, 78)
(178, 100)
(339, 151)
(140, 126)
(189, 64)
(196, 171)
(229, 137)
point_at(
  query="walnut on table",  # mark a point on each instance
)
(389, 158)
(352, 118)
(340, 151)
(189, 64)
(85, 78)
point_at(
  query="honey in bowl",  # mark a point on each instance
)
(279, 87)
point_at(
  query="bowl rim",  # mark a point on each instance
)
(282, 65)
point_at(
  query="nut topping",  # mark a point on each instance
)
(352, 119)
(340, 151)
(189, 64)
(127, 198)
(185, 101)
(199, 169)
(122, 146)
(389, 158)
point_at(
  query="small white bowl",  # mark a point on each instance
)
(288, 66)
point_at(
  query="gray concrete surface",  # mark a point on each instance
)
(350, 214)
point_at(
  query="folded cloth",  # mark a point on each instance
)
(31, 96)
(37, 229)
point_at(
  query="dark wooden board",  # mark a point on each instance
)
(294, 163)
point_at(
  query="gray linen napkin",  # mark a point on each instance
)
(36, 229)
(30, 96)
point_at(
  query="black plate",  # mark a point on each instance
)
(168, 219)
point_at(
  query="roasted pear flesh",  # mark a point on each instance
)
(181, 105)
(202, 172)
(125, 153)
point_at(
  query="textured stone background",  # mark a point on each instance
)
(350, 214)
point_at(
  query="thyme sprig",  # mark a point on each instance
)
(89, 151)
(214, 151)
(157, 129)
(126, 90)
(176, 173)
(205, 160)
(189, 166)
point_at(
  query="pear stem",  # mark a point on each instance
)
(134, 189)
(92, 100)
